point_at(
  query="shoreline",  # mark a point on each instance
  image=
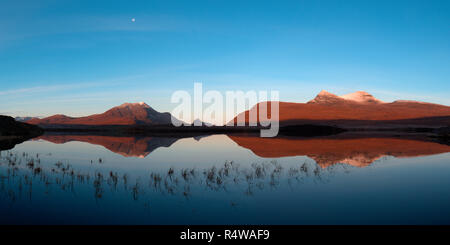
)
(439, 135)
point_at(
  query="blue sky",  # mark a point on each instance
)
(83, 57)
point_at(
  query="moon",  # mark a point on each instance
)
(133, 19)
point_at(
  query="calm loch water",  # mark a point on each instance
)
(220, 179)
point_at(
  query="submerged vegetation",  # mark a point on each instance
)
(22, 175)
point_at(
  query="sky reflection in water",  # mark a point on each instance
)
(224, 180)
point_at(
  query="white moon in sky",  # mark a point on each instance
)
(133, 20)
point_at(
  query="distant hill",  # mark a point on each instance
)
(201, 123)
(24, 119)
(10, 127)
(125, 114)
(13, 132)
(328, 108)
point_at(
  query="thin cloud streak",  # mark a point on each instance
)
(81, 24)
(62, 87)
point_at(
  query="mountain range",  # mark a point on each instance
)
(125, 114)
(356, 109)
(359, 109)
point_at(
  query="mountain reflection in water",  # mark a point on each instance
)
(358, 152)
(355, 151)
(224, 179)
(125, 146)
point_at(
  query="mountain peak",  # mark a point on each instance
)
(325, 93)
(325, 97)
(138, 104)
(361, 97)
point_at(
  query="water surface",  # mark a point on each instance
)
(220, 179)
